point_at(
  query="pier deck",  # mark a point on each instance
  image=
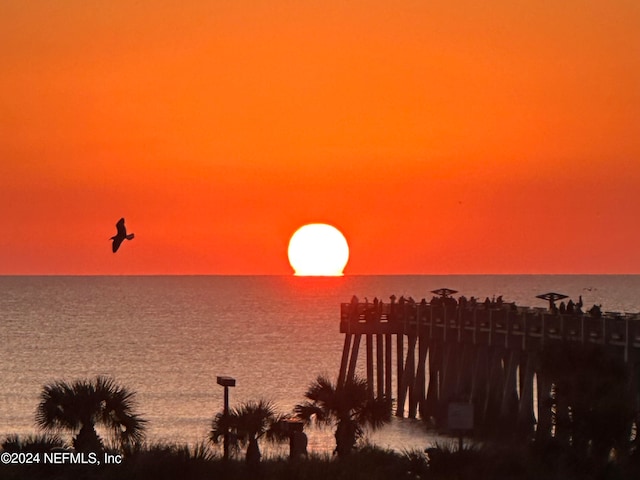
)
(524, 328)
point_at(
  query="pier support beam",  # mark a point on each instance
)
(479, 382)
(464, 379)
(494, 385)
(526, 417)
(399, 375)
(450, 366)
(509, 406)
(345, 359)
(432, 403)
(370, 380)
(388, 372)
(420, 380)
(408, 373)
(354, 357)
(543, 430)
(380, 365)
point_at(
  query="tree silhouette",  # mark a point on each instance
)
(249, 422)
(349, 407)
(80, 406)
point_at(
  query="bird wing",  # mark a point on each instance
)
(122, 230)
(116, 243)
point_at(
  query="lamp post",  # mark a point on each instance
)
(226, 382)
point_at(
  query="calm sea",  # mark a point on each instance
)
(168, 337)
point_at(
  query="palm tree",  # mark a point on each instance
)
(349, 407)
(82, 405)
(248, 423)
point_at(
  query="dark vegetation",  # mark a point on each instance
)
(526, 462)
(589, 397)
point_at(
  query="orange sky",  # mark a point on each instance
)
(440, 136)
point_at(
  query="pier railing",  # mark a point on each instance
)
(522, 328)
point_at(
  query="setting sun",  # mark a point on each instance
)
(318, 249)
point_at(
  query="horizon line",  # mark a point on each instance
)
(308, 276)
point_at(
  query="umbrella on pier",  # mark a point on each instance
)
(444, 292)
(552, 297)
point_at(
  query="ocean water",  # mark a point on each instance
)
(168, 337)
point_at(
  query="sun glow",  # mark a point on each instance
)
(318, 249)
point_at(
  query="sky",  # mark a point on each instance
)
(441, 137)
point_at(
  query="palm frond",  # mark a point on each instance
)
(253, 418)
(221, 423)
(375, 412)
(310, 412)
(58, 407)
(321, 391)
(278, 431)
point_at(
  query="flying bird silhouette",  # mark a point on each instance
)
(119, 237)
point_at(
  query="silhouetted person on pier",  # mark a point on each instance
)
(377, 309)
(462, 301)
(579, 304)
(563, 308)
(570, 307)
(392, 309)
(354, 306)
(595, 311)
(368, 310)
(120, 236)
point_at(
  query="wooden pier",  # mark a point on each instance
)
(484, 354)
